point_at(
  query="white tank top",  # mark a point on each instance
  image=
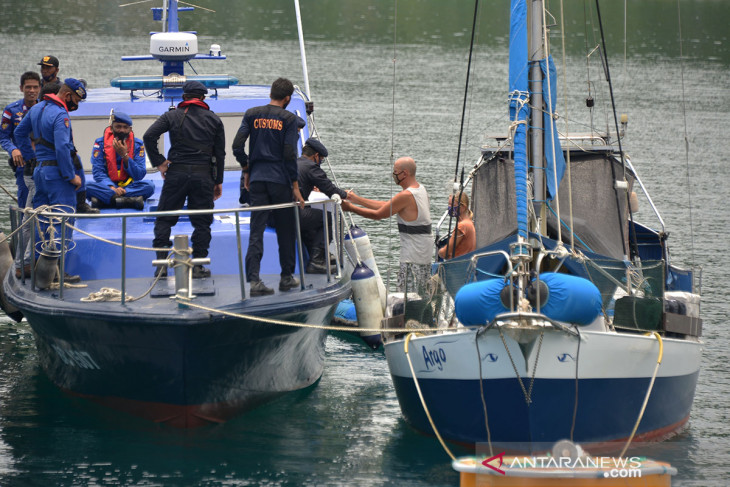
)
(416, 241)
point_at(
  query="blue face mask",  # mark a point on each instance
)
(454, 211)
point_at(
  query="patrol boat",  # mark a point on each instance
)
(567, 322)
(179, 351)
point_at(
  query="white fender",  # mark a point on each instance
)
(367, 303)
(365, 251)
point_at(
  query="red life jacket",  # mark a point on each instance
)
(116, 173)
(55, 99)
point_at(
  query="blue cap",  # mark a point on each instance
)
(76, 86)
(300, 122)
(318, 146)
(122, 118)
(194, 88)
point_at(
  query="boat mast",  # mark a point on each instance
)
(536, 49)
(164, 16)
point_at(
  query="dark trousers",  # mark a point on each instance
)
(194, 183)
(310, 220)
(264, 193)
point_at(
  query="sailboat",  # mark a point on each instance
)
(570, 320)
(177, 351)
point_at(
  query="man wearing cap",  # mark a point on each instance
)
(118, 166)
(311, 175)
(270, 175)
(30, 86)
(49, 70)
(193, 169)
(56, 179)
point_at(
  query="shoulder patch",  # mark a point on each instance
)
(4, 126)
(96, 153)
(141, 151)
(66, 122)
(97, 146)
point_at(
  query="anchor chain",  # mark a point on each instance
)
(526, 392)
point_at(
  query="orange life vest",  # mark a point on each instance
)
(116, 173)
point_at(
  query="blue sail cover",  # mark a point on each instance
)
(519, 109)
(551, 132)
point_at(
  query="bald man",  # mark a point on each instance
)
(412, 209)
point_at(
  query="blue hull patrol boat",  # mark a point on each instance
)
(180, 351)
(569, 320)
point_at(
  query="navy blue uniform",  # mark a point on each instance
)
(272, 167)
(197, 152)
(311, 175)
(136, 170)
(11, 117)
(49, 120)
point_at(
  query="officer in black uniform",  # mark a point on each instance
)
(193, 169)
(311, 175)
(49, 72)
(270, 175)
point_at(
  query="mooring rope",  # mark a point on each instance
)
(423, 401)
(648, 393)
(274, 321)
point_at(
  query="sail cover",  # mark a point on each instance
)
(519, 109)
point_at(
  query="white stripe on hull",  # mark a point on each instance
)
(603, 355)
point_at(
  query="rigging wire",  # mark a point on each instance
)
(618, 138)
(474, 75)
(567, 127)
(392, 144)
(686, 138)
(546, 42)
(463, 116)
(466, 87)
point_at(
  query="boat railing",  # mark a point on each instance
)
(64, 220)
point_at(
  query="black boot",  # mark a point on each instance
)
(161, 269)
(318, 264)
(136, 203)
(82, 206)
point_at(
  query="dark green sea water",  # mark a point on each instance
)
(347, 430)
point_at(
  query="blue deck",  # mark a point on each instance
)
(92, 259)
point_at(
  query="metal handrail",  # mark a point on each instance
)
(124, 216)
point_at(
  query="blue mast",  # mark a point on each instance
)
(519, 108)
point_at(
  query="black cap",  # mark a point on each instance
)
(318, 146)
(49, 61)
(194, 88)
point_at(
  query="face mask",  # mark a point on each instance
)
(396, 176)
(454, 211)
(71, 105)
(120, 135)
